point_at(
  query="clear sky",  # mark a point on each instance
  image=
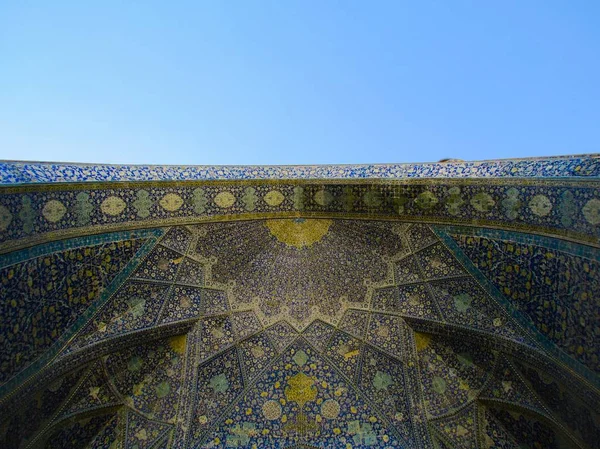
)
(296, 82)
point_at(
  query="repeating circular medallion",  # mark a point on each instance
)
(330, 409)
(271, 410)
(439, 385)
(591, 211)
(225, 199)
(5, 218)
(274, 198)
(53, 211)
(113, 205)
(323, 197)
(426, 200)
(540, 205)
(483, 202)
(171, 202)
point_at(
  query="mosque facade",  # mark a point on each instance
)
(422, 306)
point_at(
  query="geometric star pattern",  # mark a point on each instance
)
(312, 333)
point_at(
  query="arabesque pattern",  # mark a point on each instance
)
(274, 313)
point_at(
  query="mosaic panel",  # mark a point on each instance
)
(382, 380)
(582, 421)
(219, 383)
(355, 322)
(177, 239)
(344, 351)
(406, 271)
(281, 335)
(182, 303)
(77, 434)
(437, 262)
(494, 435)
(191, 273)
(388, 332)
(107, 436)
(164, 444)
(42, 297)
(409, 300)
(142, 433)
(22, 423)
(256, 354)
(527, 431)
(187, 391)
(460, 428)
(556, 290)
(313, 281)
(93, 392)
(214, 302)
(420, 236)
(507, 385)
(217, 334)
(372, 364)
(161, 264)
(318, 334)
(453, 372)
(245, 323)
(135, 306)
(38, 172)
(462, 301)
(149, 376)
(301, 400)
(441, 444)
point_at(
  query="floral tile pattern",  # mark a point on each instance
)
(554, 288)
(32, 172)
(44, 296)
(42, 212)
(305, 333)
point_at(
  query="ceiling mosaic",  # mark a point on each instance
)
(277, 269)
(418, 306)
(44, 296)
(298, 332)
(556, 288)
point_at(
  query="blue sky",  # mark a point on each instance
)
(296, 82)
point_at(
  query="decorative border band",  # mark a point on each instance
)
(37, 214)
(13, 172)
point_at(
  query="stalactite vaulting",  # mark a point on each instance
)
(417, 306)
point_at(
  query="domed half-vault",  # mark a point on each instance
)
(434, 309)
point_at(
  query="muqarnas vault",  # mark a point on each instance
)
(447, 305)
